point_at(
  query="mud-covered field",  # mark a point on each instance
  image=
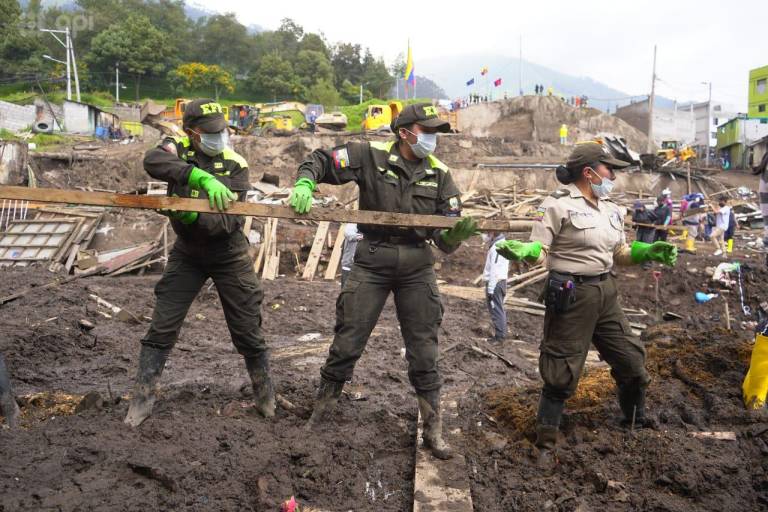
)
(205, 449)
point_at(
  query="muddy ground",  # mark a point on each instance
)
(205, 449)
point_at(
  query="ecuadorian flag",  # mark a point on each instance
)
(410, 76)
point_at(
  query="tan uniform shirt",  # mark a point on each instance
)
(579, 237)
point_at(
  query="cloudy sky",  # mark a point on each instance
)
(611, 42)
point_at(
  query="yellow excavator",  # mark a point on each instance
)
(379, 116)
(675, 151)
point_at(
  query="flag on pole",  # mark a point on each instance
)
(497, 82)
(410, 77)
(471, 81)
(484, 71)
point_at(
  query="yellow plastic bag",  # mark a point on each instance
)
(755, 387)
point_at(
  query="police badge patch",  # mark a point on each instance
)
(540, 214)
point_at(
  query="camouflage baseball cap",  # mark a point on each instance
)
(590, 153)
(205, 114)
(423, 114)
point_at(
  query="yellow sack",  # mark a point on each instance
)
(755, 387)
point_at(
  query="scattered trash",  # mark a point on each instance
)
(702, 297)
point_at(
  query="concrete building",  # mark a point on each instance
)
(87, 119)
(16, 117)
(756, 151)
(677, 123)
(758, 93)
(735, 137)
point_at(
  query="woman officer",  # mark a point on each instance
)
(580, 235)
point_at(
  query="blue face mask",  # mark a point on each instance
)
(605, 187)
(425, 144)
(214, 143)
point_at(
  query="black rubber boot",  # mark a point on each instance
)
(263, 391)
(8, 406)
(632, 404)
(151, 365)
(432, 418)
(328, 394)
(547, 423)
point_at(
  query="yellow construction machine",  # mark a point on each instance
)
(378, 117)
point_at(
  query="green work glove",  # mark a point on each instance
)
(301, 197)
(218, 193)
(461, 231)
(518, 251)
(662, 252)
(183, 217)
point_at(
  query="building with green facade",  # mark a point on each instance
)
(758, 93)
(735, 137)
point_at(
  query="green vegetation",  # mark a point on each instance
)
(355, 113)
(162, 53)
(42, 140)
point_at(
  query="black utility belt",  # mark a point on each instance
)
(560, 292)
(394, 239)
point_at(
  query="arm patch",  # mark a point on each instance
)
(340, 158)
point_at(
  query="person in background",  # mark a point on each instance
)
(563, 134)
(662, 217)
(691, 222)
(495, 275)
(722, 219)
(351, 237)
(729, 232)
(641, 215)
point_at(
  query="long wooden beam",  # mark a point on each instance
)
(49, 195)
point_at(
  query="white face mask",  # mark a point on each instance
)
(214, 143)
(605, 187)
(425, 144)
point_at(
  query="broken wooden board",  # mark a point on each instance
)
(317, 250)
(256, 210)
(333, 262)
(441, 484)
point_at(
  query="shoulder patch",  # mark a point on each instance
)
(229, 154)
(557, 194)
(436, 164)
(540, 212)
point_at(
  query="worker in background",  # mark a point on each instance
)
(8, 406)
(401, 175)
(351, 237)
(579, 234)
(495, 276)
(563, 134)
(691, 222)
(663, 217)
(730, 231)
(641, 215)
(550, 91)
(762, 171)
(208, 245)
(722, 213)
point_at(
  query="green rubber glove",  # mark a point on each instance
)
(662, 252)
(461, 231)
(518, 251)
(301, 197)
(218, 193)
(183, 217)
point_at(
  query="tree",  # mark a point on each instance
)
(224, 41)
(311, 67)
(136, 44)
(275, 78)
(376, 77)
(323, 92)
(194, 76)
(347, 63)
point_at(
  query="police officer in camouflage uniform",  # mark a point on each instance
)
(580, 235)
(201, 165)
(400, 176)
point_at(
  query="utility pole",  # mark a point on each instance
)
(708, 138)
(361, 94)
(651, 101)
(117, 82)
(74, 63)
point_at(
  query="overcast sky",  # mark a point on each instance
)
(611, 42)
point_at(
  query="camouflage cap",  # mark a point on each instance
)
(205, 114)
(423, 114)
(591, 153)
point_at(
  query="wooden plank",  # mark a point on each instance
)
(256, 210)
(333, 263)
(267, 247)
(317, 250)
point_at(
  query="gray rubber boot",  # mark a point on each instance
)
(328, 394)
(263, 391)
(432, 418)
(8, 406)
(151, 365)
(547, 424)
